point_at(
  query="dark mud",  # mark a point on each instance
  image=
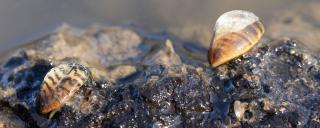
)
(146, 79)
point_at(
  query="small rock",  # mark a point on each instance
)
(165, 56)
(249, 81)
(268, 105)
(239, 109)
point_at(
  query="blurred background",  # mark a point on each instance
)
(25, 20)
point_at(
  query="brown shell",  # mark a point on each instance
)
(59, 85)
(229, 45)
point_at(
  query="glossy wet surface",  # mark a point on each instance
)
(144, 79)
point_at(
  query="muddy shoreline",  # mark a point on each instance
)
(144, 79)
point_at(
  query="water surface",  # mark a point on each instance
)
(23, 21)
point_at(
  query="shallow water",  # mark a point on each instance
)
(24, 21)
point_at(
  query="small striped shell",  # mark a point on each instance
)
(235, 33)
(59, 85)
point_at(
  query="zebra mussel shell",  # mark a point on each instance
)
(235, 33)
(59, 85)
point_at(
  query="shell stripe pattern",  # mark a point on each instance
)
(230, 45)
(59, 85)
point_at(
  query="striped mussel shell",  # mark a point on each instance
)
(59, 85)
(235, 33)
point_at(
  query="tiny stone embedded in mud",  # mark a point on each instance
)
(141, 81)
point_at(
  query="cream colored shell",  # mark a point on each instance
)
(234, 21)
